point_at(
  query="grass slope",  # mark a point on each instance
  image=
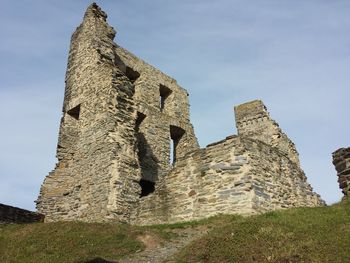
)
(66, 242)
(296, 235)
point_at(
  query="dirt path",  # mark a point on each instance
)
(158, 252)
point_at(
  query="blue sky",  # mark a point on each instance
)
(292, 54)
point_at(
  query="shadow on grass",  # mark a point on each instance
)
(97, 260)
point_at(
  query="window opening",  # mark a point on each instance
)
(74, 112)
(132, 75)
(164, 93)
(171, 159)
(176, 134)
(147, 187)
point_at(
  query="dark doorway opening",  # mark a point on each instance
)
(147, 187)
(148, 162)
(164, 93)
(176, 134)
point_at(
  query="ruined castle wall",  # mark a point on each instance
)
(253, 120)
(204, 183)
(235, 176)
(277, 182)
(341, 161)
(120, 116)
(124, 121)
(97, 141)
(165, 115)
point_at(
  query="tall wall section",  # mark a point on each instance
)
(96, 178)
(341, 161)
(124, 126)
(164, 131)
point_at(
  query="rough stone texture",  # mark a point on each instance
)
(96, 178)
(10, 214)
(238, 175)
(341, 161)
(253, 120)
(127, 149)
(158, 122)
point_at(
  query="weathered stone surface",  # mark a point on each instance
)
(267, 180)
(341, 161)
(127, 149)
(96, 177)
(10, 214)
(253, 120)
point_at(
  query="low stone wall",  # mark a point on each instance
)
(10, 214)
(277, 181)
(235, 176)
(206, 182)
(341, 161)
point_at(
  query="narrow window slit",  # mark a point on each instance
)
(164, 93)
(176, 134)
(146, 182)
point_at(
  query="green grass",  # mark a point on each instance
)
(296, 235)
(66, 242)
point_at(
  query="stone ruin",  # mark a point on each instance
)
(11, 214)
(127, 149)
(341, 161)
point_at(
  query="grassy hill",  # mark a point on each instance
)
(65, 242)
(294, 235)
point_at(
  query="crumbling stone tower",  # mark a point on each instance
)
(119, 115)
(127, 150)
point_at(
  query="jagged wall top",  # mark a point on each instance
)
(94, 11)
(253, 120)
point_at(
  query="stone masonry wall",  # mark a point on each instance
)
(277, 182)
(97, 173)
(203, 183)
(235, 176)
(160, 122)
(341, 161)
(119, 117)
(253, 120)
